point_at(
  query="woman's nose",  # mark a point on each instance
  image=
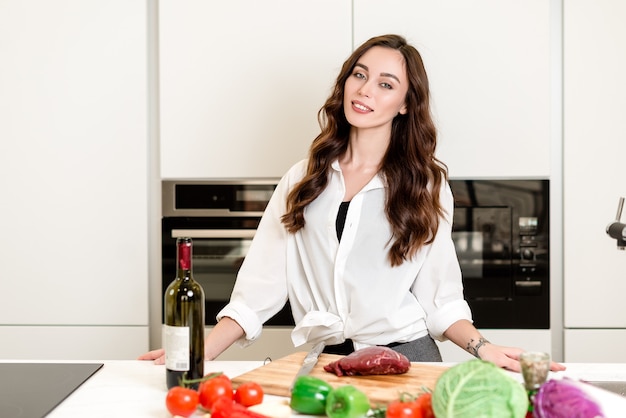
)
(364, 90)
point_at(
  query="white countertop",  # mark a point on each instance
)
(137, 388)
(132, 389)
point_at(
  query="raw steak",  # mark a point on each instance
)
(370, 360)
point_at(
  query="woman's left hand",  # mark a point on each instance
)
(508, 357)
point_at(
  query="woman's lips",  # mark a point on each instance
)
(360, 107)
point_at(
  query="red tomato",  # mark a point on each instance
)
(248, 394)
(425, 402)
(213, 389)
(181, 401)
(400, 409)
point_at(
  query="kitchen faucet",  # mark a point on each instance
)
(617, 229)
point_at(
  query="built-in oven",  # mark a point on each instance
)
(221, 217)
(501, 231)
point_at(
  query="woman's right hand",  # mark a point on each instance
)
(157, 355)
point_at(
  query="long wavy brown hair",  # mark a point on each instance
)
(411, 172)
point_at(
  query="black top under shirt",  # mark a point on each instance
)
(341, 218)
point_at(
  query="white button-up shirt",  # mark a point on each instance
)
(348, 289)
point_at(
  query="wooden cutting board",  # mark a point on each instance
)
(276, 378)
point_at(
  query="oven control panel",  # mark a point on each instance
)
(216, 198)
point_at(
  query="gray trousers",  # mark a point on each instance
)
(422, 349)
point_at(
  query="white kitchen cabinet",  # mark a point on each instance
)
(593, 155)
(489, 68)
(595, 345)
(241, 82)
(73, 175)
(73, 342)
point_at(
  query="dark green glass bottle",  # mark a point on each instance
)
(183, 330)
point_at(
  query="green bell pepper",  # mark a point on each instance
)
(309, 394)
(347, 402)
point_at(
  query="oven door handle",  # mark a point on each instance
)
(213, 233)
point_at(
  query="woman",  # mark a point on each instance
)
(358, 236)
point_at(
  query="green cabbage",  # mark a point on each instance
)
(478, 388)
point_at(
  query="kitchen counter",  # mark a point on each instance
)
(132, 389)
(137, 388)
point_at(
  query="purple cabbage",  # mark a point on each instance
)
(564, 398)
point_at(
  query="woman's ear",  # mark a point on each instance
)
(403, 110)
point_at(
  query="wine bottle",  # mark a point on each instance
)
(183, 329)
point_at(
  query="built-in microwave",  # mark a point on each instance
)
(501, 231)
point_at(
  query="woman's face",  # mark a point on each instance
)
(375, 92)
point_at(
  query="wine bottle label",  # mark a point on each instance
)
(176, 345)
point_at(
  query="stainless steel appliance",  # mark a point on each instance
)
(501, 233)
(221, 217)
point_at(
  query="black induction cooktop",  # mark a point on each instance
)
(33, 390)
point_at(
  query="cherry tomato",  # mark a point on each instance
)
(403, 409)
(248, 394)
(213, 389)
(181, 401)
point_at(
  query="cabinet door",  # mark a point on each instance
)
(73, 342)
(594, 345)
(73, 163)
(488, 63)
(594, 150)
(241, 82)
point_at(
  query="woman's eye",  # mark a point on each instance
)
(386, 86)
(359, 75)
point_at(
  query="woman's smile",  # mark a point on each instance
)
(360, 107)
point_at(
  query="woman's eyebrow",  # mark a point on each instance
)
(390, 76)
(382, 74)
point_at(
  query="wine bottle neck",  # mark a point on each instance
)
(184, 274)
